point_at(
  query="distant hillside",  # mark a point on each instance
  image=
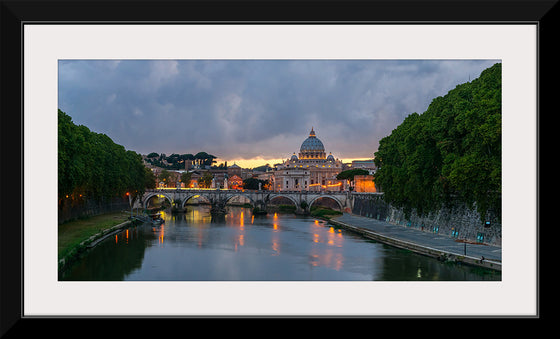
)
(177, 161)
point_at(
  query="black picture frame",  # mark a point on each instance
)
(15, 15)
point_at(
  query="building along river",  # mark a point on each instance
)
(193, 246)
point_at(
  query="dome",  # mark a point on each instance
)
(312, 143)
(330, 157)
(294, 157)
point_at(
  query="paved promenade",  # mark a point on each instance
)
(422, 242)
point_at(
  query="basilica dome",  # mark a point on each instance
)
(312, 143)
(312, 147)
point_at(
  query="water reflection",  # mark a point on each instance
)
(328, 249)
(242, 246)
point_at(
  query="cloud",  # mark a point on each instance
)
(249, 108)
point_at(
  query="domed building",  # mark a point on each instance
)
(310, 170)
(312, 147)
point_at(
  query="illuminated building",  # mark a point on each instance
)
(364, 183)
(235, 182)
(310, 170)
(234, 170)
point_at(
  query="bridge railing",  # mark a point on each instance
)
(245, 190)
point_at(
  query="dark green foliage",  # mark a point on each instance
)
(253, 184)
(323, 212)
(450, 152)
(93, 166)
(177, 161)
(206, 180)
(349, 174)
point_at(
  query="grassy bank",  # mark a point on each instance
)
(323, 212)
(281, 208)
(72, 233)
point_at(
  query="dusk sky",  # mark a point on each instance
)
(262, 110)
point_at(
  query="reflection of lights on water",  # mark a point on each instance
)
(161, 233)
(275, 247)
(328, 256)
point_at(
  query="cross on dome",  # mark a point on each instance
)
(312, 133)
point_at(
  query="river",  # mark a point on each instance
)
(241, 247)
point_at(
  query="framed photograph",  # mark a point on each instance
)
(297, 103)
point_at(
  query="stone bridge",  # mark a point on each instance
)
(219, 198)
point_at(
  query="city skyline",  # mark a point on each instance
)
(253, 112)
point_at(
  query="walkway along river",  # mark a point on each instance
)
(243, 247)
(427, 243)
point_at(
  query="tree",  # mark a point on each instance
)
(149, 178)
(204, 159)
(206, 180)
(186, 178)
(451, 152)
(253, 184)
(349, 174)
(164, 176)
(91, 165)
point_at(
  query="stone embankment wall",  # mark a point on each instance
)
(458, 222)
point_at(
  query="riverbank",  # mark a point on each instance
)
(433, 245)
(75, 237)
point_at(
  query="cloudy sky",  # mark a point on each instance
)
(253, 109)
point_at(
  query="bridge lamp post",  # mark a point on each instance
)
(129, 203)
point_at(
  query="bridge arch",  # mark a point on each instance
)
(272, 197)
(153, 194)
(194, 195)
(329, 197)
(233, 195)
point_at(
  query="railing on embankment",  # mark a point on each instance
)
(420, 249)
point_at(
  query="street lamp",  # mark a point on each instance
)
(489, 215)
(129, 203)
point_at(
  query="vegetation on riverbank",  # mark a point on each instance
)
(71, 234)
(281, 208)
(91, 167)
(323, 212)
(451, 152)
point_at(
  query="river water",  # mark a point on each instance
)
(241, 247)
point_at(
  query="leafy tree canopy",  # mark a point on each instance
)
(349, 174)
(450, 152)
(253, 184)
(93, 166)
